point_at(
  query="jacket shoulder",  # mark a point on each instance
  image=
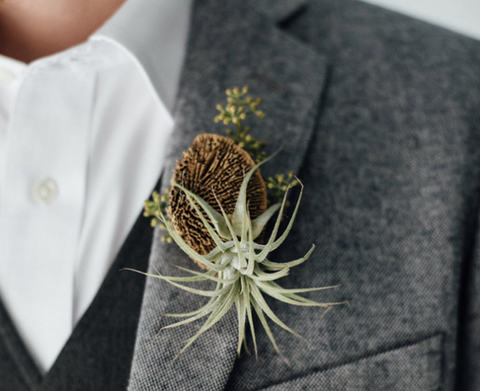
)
(336, 27)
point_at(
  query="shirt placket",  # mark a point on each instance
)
(43, 200)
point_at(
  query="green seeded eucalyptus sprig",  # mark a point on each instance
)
(278, 185)
(152, 208)
(239, 107)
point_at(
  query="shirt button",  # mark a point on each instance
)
(45, 191)
(6, 76)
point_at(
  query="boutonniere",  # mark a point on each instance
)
(217, 211)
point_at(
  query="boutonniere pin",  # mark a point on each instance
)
(217, 211)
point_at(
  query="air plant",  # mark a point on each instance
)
(238, 265)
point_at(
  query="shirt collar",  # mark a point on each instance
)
(10, 69)
(154, 33)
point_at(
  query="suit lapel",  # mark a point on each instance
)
(229, 46)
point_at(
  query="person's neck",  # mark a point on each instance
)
(30, 29)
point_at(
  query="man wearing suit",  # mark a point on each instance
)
(379, 116)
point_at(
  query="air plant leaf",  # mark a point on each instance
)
(261, 221)
(241, 205)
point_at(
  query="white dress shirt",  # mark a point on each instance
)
(82, 138)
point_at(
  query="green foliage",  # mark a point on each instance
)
(278, 185)
(156, 207)
(239, 107)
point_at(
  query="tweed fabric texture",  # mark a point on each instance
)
(279, 10)
(468, 361)
(392, 183)
(386, 371)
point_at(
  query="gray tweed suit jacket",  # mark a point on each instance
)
(379, 115)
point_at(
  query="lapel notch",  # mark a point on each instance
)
(229, 46)
(279, 10)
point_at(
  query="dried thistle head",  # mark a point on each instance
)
(212, 168)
